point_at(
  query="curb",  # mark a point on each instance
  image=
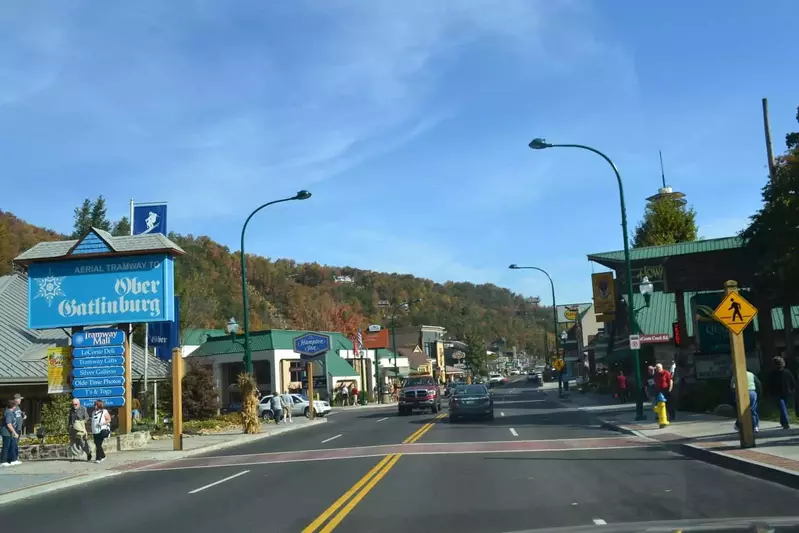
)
(775, 474)
(31, 491)
(755, 469)
(234, 443)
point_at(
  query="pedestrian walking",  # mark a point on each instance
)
(10, 454)
(78, 435)
(752, 384)
(20, 414)
(277, 408)
(101, 429)
(784, 388)
(355, 395)
(345, 394)
(621, 386)
(288, 402)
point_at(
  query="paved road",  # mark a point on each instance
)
(536, 465)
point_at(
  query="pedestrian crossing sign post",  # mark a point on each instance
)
(735, 312)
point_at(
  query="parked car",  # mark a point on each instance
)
(471, 401)
(419, 393)
(301, 406)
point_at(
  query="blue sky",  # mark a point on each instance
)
(409, 122)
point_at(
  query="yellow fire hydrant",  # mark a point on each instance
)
(660, 410)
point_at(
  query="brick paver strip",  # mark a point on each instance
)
(766, 459)
(405, 449)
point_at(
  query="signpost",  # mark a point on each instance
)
(635, 342)
(98, 362)
(310, 346)
(736, 313)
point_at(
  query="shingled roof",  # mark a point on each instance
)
(99, 242)
(23, 351)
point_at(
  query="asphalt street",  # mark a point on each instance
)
(536, 465)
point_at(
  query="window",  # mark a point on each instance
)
(296, 371)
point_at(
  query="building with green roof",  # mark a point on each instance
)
(275, 364)
(688, 280)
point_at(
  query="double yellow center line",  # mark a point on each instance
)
(333, 515)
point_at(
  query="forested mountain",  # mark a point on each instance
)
(285, 294)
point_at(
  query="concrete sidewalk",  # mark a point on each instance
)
(714, 440)
(32, 478)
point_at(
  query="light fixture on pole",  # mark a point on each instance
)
(632, 326)
(232, 327)
(404, 305)
(514, 266)
(646, 289)
(301, 195)
(564, 336)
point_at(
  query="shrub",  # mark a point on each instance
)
(200, 397)
(55, 414)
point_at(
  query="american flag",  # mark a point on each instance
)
(358, 344)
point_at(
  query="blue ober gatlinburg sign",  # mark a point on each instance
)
(100, 280)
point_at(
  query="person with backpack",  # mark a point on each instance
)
(101, 429)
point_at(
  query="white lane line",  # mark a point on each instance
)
(513, 432)
(501, 413)
(331, 438)
(386, 418)
(599, 522)
(195, 491)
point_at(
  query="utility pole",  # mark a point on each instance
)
(772, 170)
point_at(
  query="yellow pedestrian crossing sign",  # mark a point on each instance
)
(735, 312)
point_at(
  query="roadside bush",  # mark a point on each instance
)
(55, 414)
(200, 397)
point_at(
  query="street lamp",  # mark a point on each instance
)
(232, 327)
(540, 144)
(301, 195)
(564, 336)
(554, 305)
(403, 305)
(646, 289)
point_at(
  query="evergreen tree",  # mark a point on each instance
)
(667, 220)
(200, 397)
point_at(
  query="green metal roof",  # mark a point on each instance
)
(271, 339)
(196, 337)
(662, 313)
(669, 250)
(338, 367)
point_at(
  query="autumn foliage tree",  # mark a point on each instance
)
(283, 294)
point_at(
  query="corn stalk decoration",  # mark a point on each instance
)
(249, 404)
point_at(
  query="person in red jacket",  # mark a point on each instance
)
(621, 386)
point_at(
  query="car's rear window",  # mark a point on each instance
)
(474, 389)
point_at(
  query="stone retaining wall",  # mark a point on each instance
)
(38, 452)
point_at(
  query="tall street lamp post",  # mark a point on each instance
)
(394, 310)
(302, 195)
(540, 144)
(554, 304)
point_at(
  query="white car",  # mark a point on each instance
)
(300, 407)
(496, 379)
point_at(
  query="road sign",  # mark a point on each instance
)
(102, 351)
(85, 362)
(98, 337)
(735, 312)
(114, 401)
(311, 344)
(635, 342)
(98, 372)
(98, 392)
(113, 381)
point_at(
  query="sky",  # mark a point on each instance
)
(408, 121)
